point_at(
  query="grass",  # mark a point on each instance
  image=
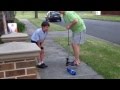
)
(89, 15)
(41, 16)
(29, 14)
(83, 14)
(37, 22)
(101, 56)
(53, 27)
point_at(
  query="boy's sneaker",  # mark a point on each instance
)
(42, 66)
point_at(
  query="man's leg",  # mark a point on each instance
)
(77, 39)
(76, 50)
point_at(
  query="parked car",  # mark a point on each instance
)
(53, 16)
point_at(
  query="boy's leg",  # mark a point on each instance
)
(42, 55)
(41, 59)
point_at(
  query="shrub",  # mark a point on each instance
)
(1, 40)
(21, 26)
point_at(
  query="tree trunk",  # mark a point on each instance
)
(4, 22)
(36, 14)
(6, 17)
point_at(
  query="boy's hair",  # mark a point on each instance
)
(45, 23)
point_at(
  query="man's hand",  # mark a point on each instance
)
(68, 27)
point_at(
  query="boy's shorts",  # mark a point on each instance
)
(36, 44)
(78, 38)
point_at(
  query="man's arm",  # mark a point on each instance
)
(72, 24)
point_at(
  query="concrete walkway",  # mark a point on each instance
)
(56, 58)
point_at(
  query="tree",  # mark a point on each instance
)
(4, 22)
(36, 14)
(6, 17)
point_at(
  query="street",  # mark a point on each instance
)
(106, 30)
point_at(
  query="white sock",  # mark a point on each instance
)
(40, 63)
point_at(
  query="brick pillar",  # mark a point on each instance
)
(22, 68)
(18, 37)
(18, 60)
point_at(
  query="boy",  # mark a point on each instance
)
(38, 37)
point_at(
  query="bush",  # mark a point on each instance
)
(1, 41)
(21, 26)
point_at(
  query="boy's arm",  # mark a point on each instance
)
(40, 44)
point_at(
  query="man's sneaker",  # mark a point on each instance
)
(42, 66)
(72, 63)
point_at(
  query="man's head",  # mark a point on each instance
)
(45, 26)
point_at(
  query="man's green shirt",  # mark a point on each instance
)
(69, 16)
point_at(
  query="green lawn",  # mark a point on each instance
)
(101, 56)
(37, 22)
(29, 14)
(83, 14)
(88, 15)
(53, 27)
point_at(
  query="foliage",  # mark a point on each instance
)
(21, 26)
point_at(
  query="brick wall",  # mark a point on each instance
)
(110, 12)
(24, 68)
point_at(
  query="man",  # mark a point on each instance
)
(38, 37)
(77, 25)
